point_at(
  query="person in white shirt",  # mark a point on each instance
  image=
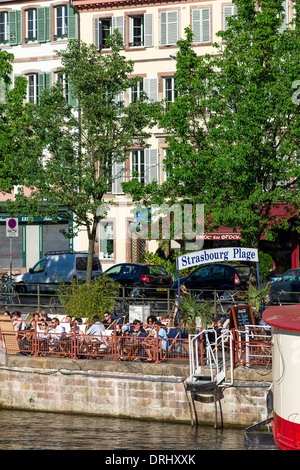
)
(97, 335)
(56, 331)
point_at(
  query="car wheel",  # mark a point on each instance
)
(21, 288)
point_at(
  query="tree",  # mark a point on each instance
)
(233, 131)
(15, 129)
(81, 147)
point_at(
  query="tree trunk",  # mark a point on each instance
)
(92, 239)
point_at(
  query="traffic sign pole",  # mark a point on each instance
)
(12, 230)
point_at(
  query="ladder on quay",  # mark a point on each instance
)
(215, 374)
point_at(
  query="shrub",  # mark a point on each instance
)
(80, 299)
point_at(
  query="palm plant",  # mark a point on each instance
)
(256, 295)
(191, 309)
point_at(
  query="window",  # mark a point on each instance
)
(106, 249)
(135, 92)
(168, 28)
(136, 31)
(201, 273)
(3, 26)
(61, 21)
(31, 25)
(144, 165)
(37, 82)
(33, 88)
(169, 91)
(201, 25)
(138, 164)
(40, 267)
(141, 30)
(227, 12)
(104, 27)
(81, 264)
(61, 78)
(65, 23)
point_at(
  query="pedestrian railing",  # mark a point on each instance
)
(248, 347)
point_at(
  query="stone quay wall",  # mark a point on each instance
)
(127, 389)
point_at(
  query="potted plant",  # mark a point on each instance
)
(194, 313)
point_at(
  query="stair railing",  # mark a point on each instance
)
(215, 355)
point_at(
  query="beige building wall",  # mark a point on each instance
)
(153, 61)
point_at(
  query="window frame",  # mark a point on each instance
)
(34, 86)
(34, 28)
(63, 34)
(166, 37)
(103, 224)
(5, 31)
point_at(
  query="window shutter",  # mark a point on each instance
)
(16, 75)
(227, 12)
(150, 86)
(151, 165)
(118, 174)
(43, 24)
(44, 82)
(148, 30)
(96, 33)
(72, 99)
(285, 22)
(168, 28)
(15, 27)
(72, 23)
(163, 28)
(172, 27)
(196, 25)
(205, 23)
(118, 23)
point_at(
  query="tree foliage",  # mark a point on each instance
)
(233, 130)
(85, 300)
(80, 146)
(15, 129)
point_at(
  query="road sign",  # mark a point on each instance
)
(12, 227)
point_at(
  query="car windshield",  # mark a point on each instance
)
(157, 270)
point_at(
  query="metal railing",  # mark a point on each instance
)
(161, 304)
(248, 347)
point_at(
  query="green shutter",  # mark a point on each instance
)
(43, 24)
(72, 100)
(15, 27)
(72, 23)
(16, 75)
(44, 81)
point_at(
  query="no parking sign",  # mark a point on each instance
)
(12, 227)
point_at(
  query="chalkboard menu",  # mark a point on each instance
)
(240, 316)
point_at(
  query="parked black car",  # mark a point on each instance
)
(286, 289)
(222, 277)
(142, 280)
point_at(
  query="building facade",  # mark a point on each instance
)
(34, 30)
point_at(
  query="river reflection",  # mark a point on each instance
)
(21, 430)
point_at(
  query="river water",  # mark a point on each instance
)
(25, 430)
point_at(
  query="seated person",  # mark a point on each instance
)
(110, 321)
(56, 333)
(18, 323)
(96, 334)
(149, 327)
(161, 333)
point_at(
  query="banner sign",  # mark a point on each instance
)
(217, 255)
